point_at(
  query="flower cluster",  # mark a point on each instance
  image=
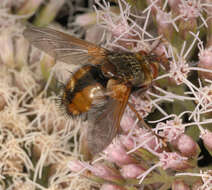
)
(165, 126)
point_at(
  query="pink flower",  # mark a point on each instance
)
(204, 97)
(171, 130)
(142, 105)
(127, 122)
(173, 161)
(205, 183)
(207, 139)
(85, 19)
(105, 172)
(164, 21)
(189, 9)
(179, 70)
(174, 4)
(128, 142)
(131, 170)
(168, 160)
(145, 139)
(108, 186)
(99, 170)
(116, 153)
(122, 29)
(205, 62)
(186, 145)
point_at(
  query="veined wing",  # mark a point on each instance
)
(104, 122)
(64, 47)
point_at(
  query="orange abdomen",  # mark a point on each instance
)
(86, 85)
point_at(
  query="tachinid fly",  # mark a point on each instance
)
(103, 84)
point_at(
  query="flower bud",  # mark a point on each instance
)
(127, 142)
(98, 171)
(171, 130)
(21, 53)
(86, 19)
(164, 27)
(145, 138)
(107, 173)
(7, 49)
(207, 140)
(187, 146)
(116, 152)
(94, 34)
(29, 7)
(174, 5)
(127, 122)
(188, 10)
(48, 13)
(131, 171)
(174, 161)
(75, 166)
(108, 186)
(179, 185)
(205, 62)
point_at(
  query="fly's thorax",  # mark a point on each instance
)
(130, 68)
(83, 88)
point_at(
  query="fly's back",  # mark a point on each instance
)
(136, 69)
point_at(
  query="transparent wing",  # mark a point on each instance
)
(64, 47)
(104, 122)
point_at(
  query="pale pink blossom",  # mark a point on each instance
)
(186, 145)
(131, 170)
(173, 161)
(205, 62)
(106, 172)
(107, 186)
(171, 130)
(207, 139)
(117, 153)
